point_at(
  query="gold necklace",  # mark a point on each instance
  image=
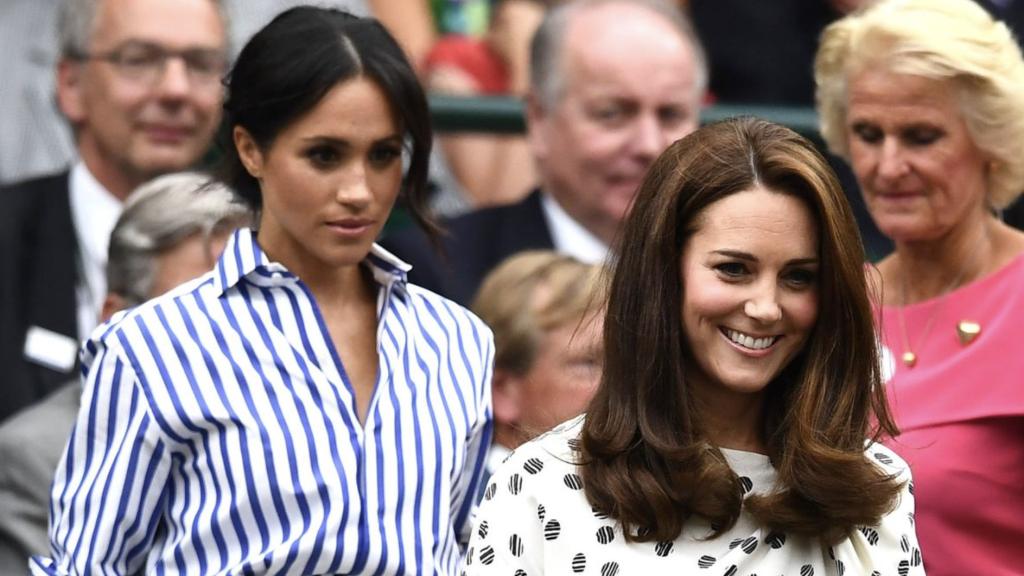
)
(908, 357)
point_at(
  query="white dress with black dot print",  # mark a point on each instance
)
(535, 520)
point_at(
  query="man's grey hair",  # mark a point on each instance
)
(76, 22)
(158, 216)
(546, 67)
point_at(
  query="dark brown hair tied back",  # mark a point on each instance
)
(644, 458)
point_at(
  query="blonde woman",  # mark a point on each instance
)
(925, 99)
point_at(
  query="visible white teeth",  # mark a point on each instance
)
(749, 341)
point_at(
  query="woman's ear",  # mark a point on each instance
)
(506, 395)
(248, 151)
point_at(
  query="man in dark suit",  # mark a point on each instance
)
(139, 82)
(613, 83)
(172, 230)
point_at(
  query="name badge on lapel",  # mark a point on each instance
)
(51, 349)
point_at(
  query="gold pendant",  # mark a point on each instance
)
(909, 358)
(967, 331)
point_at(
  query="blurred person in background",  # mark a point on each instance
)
(925, 99)
(598, 114)
(546, 314)
(172, 229)
(139, 83)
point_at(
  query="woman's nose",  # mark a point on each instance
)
(764, 306)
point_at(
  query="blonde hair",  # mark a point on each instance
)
(532, 293)
(946, 40)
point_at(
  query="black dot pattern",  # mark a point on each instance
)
(573, 481)
(515, 545)
(492, 489)
(533, 465)
(605, 534)
(552, 530)
(579, 563)
(749, 545)
(776, 540)
(663, 548)
(515, 484)
(746, 484)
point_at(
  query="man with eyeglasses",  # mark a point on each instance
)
(139, 82)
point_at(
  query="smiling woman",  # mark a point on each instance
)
(737, 418)
(302, 409)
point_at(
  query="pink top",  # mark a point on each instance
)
(961, 412)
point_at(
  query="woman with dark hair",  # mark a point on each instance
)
(301, 409)
(736, 424)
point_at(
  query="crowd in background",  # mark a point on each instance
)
(108, 104)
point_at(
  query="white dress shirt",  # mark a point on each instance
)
(94, 212)
(569, 236)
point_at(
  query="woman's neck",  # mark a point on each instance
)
(731, 419)
(923, 270)
(332, 286)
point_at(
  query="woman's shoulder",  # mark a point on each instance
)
(558, 446)
(441, 309)
(886, 459)
(551, 456)
(145, 321)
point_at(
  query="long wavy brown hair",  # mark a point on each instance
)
(644, 458)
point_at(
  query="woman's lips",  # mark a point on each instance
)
(350, 227)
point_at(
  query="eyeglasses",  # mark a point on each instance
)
(146, 63)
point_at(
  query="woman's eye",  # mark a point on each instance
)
(922, 136)
(731, 269)
(801, 278)
(383, 156)
(322, 156)
(867, 133)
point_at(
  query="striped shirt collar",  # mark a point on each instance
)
(243, 258)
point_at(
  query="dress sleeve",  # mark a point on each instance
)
(507, 536)
(891, 547)
(107, 496)
(477, 446)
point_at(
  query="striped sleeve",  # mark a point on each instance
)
(468, 484)
(106, 497)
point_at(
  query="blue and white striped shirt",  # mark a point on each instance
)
(218, 433)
